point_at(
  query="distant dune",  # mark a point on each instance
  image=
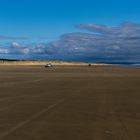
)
(40, 62)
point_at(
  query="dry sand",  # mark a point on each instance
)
(41, 62)
(69, 103)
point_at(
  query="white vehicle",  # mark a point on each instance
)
(48, 65)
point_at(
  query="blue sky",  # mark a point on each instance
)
(42, 21)
(51, 18)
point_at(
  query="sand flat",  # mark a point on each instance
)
(69, 103)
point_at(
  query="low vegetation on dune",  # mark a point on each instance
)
(38, 62)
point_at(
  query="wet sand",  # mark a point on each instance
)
(69, 103)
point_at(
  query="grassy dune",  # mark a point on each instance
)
(39, 62)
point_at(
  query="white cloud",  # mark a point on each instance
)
(4, 51)
(15, 44)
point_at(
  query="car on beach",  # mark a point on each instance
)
(48, 65)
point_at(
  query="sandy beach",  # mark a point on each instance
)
(69, 102)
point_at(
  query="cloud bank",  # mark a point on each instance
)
(102, 43)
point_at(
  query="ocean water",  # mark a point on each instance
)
(132, 66)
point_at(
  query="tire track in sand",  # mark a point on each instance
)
(35, 116)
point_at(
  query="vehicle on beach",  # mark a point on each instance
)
(48, 65)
